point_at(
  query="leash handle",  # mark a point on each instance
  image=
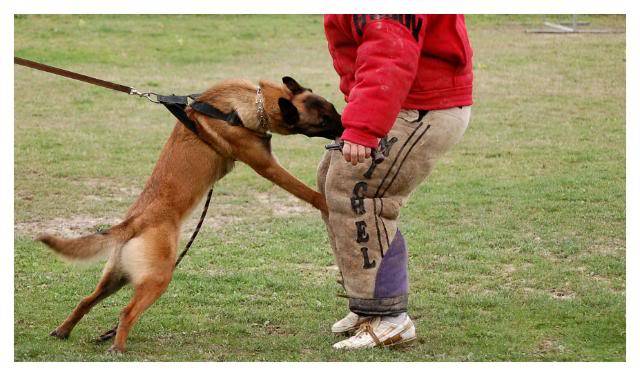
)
(376, 155)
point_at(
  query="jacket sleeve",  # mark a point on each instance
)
(386, 65)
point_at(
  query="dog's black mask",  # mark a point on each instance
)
(308, 113)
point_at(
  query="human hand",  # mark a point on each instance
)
(355, 153)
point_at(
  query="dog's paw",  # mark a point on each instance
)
(115, 350)
(60, 334)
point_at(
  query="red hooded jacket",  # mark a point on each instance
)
(388, 62)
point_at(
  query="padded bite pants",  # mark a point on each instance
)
(364, 203)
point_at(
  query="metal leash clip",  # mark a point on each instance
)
(376, 155)
(147, 95)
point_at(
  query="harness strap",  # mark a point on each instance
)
(177, 105)
(178, 110)
(207, 109)
(177, 99)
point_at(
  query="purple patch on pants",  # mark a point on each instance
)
(392, 278)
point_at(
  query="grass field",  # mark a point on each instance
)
(517, 240)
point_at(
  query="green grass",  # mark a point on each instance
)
(517, 240)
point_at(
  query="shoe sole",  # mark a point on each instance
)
(395, 345)
(401, 344)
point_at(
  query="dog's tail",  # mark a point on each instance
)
(90, 247)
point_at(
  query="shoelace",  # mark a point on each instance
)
(366, 327)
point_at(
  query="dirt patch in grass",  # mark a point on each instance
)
(85, 224)
(562, 293)
(213, 221)
(607, 247)
(104, 189)
(316, 271)
(113, 188)
(549, 345)
(67, 227)
(509, 269)
(284, 206)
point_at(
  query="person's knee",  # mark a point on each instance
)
(389, 208)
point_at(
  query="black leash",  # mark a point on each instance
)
(176, 104)
(195, 232)
(73, 75)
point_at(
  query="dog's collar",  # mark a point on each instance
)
(263, 119)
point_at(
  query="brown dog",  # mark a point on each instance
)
(142, 249)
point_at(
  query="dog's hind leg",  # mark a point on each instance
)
(109, 283)
(150, 267)
(144, 296)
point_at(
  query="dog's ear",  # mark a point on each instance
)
(292, 85)
(290, 113)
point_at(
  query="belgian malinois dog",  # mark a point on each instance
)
(142, 249)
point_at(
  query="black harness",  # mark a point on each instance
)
(177, 105)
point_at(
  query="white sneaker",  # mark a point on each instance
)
(348, 324)
(375, 332)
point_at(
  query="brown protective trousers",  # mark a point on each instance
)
(364, 203)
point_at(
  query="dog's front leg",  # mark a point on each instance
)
(244, 146)
(263, 162)
(277, 174)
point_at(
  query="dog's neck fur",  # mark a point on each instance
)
(271, 92)
(240, 96)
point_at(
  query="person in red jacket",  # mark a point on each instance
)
(407, 81)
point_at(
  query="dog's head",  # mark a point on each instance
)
(307, 113)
